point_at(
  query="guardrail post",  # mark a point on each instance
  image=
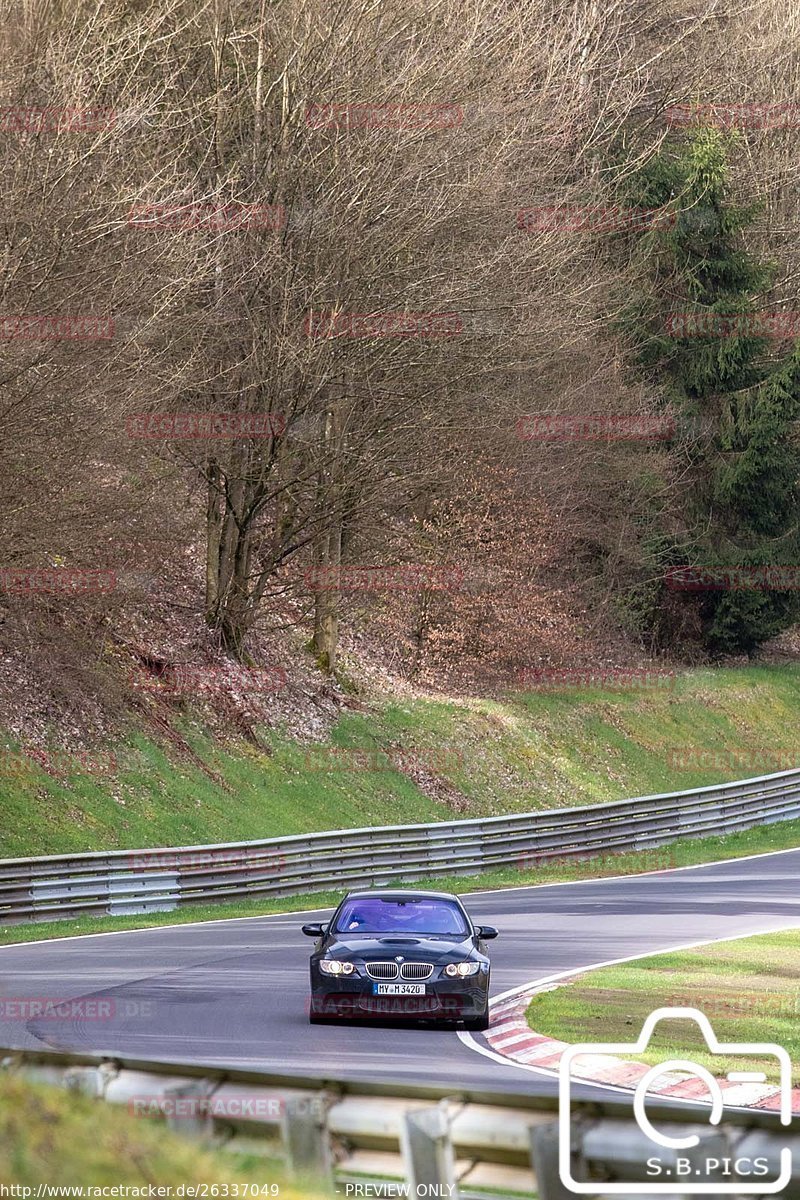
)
(305, 1136)
(544, 1160)
(192, 1118)
(428, 1151)
(90, 1081)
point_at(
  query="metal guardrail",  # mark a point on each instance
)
(138, 881)
(465, 1144)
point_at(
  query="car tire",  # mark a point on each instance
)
(478, 1024)
(315, 1016)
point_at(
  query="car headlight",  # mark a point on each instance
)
(462, 968)
(335, 966)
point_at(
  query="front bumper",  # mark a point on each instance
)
(444, 999)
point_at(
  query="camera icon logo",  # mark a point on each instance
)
(688, 1175)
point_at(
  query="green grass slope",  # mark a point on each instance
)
(53, 1137)
(420, 760)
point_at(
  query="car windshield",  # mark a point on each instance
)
(372, 914)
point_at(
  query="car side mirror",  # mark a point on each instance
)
(486, 932)
(315, 931)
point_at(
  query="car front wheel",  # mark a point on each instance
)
(478, 1024)
(317, 1015)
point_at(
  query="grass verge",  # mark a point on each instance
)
(52, 1136)
(749, 989)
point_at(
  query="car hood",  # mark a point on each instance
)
(391, 946)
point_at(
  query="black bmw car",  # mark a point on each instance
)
(413, 955)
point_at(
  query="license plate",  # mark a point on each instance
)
(398, 989)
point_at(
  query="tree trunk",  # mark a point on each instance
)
(326, 608)
(328, 547)
(213, 537)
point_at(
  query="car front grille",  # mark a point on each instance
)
(408, 970)
(416, 970)
(382, 970)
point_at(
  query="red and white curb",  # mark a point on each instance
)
(511, 1037)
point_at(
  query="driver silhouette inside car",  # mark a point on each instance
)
(385, 919)
(357, 919)
(400, 918)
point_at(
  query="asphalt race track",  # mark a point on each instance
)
(234, 992)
